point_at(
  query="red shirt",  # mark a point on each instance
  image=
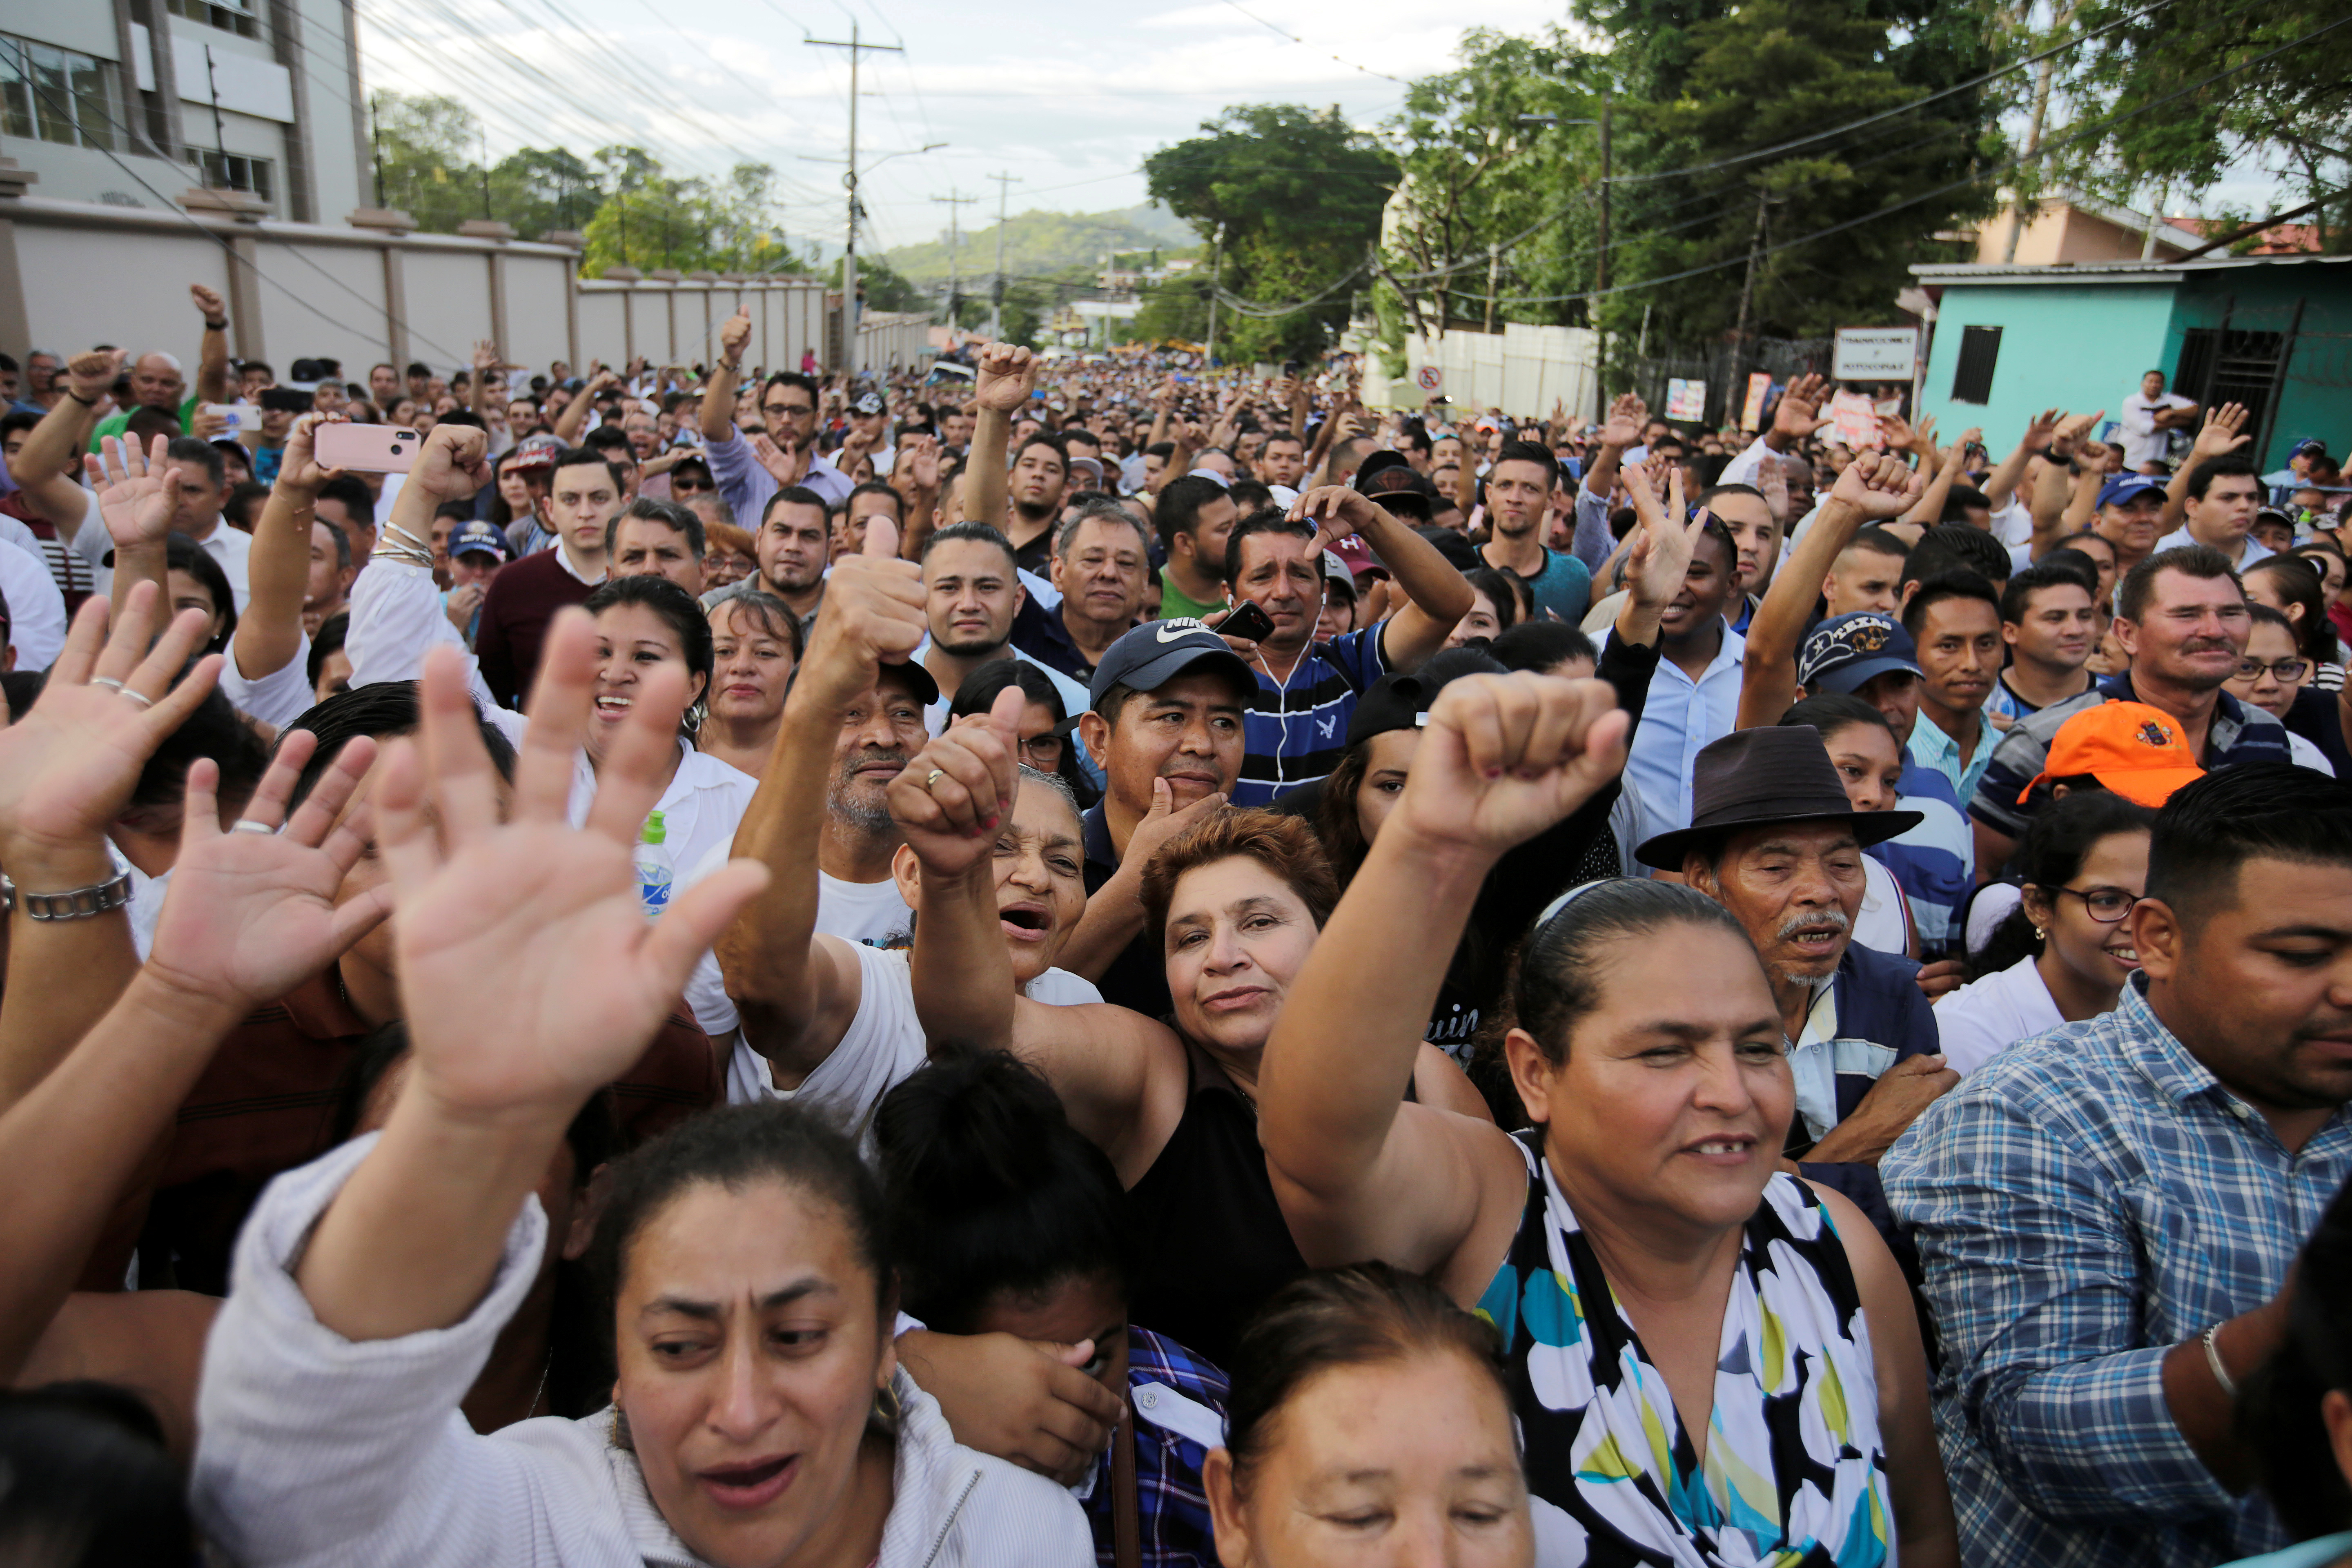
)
(523, 599)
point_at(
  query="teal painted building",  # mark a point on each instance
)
(2273, 332)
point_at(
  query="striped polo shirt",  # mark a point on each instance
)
(1296, 730)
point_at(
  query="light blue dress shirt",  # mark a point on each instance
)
(1680, 716)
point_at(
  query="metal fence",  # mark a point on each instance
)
(1722, 367)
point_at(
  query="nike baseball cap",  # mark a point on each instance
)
(1157, 652)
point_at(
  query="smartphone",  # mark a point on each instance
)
(239, 416)
(369, 449)
(1248, 622)
(286, 399)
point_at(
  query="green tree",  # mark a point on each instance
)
(2179, 96)
(424, 150)
(1178, 307)
(542, 190)
(1486, 192)
(1776, 72)
(884, 289)
(1296, 194)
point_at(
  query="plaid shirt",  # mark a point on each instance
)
(1174, 1510)
(2084, 1204)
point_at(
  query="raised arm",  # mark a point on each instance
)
(1618, 433)
(2035, 441)
(137, 493)
(1873, 489)
(1001, 384)
(66, 769)
(574, 417)
(269, 632)
(1360, 1173)
(1945, 470)
(51, 455)
(1436, 596)
(212, 354)
(798, 992)
(2220, 437)
(249, 915)
(717, 409)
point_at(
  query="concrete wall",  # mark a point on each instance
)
(73, 274)
(1521, 370)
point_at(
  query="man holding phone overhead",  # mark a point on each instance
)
(1296, 727)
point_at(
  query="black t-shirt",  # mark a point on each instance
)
(1138, 978)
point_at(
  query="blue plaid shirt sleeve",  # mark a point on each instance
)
(1172, 1503)
(2034, 1279)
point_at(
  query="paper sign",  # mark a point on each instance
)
(1751, 412)
(1874, 354)
(1685, 400)
(1857, 421)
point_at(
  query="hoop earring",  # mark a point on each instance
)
(888, 1408)
(693, 717)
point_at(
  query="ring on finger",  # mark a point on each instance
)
(247, 825)
(140, 697)
(106, 680)
(931, 778)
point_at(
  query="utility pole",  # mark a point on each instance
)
(1748, 278)
(952, 200)
(1216, 272)
(1600, 273)
(1005, 184)
(849, 260)
(485, 173)
(376, 145)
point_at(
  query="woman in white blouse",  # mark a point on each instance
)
(2063, 955)
(757, 1414)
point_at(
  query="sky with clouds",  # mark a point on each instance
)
(1067, 95)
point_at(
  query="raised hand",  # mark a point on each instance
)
(529, 974)
(950, 799)
(1796, 416)
(1878, 487)
(91, 376)
(1661, 557)
(872, 615)
(1626, 417)
(1505, 756)
(735, 334)
(1337, 512)
(2040, 430)
(1005, 376)
(2071, 431)
(917, 462)
(485, 356)
(136, 492)
(208, 302)
(452, 463)
(777, 459)
(251, 912)
(2221, 433)
(1772, 480)
(69, 765)
(298, 466)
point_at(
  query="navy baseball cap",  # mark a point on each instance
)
(866, 402)
(2125, 487)
(1157, 652)
(2309, 447)
(1845, 652)
(481, 536)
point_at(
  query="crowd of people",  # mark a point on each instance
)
(1104, 959)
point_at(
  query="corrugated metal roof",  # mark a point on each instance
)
(1949, 273)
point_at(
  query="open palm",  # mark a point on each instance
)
(136, 492)
(251, 915)
(529, 974)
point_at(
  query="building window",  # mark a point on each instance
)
(1972, 377)
(50, 94)
(234, 172)
(229, 15)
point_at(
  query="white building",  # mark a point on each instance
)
(130, 102)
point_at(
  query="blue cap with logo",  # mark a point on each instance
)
(1843, 652)
(866, 402)
(2124, 488)
(480, 536)
(1157, 652)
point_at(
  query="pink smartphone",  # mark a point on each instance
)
(372, 448)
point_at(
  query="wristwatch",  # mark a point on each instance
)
(73, 904)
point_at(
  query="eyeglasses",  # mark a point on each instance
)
(1044, 751)
(2104, 905)
(796, 410)
(2285, 672)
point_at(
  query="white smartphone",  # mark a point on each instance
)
(369, 448)
(240, 417)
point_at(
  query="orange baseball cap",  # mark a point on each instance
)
(2137, 751)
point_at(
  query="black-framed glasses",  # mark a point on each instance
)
(2104, 905)
(1044, 751)
(795, 410)
(2285, 672)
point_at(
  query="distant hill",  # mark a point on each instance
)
(1039, 244)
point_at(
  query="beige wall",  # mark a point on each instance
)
(74, 274)
(2060, 231)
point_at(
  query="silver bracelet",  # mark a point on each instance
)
(2213, 1359)
(396, 532)
(73, 904)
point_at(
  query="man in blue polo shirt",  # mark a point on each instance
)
(2182, 616)
(1296, 727)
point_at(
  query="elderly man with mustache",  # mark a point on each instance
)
(1774, 839)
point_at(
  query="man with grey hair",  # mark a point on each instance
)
(1101, 566)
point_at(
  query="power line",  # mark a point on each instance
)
(1284, 32)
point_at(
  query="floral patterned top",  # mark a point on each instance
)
(1795, 1474)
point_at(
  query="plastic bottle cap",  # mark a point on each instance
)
(655, 833)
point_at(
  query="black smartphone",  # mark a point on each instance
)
(285, 400)
(1248, 621)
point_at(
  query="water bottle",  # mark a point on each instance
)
(655, 872)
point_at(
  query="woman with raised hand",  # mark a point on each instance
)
(1712, 1361)
(757, 1418)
